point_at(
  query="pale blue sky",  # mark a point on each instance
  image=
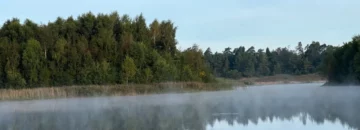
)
(217, 23)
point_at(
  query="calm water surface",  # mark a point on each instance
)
(296, 107)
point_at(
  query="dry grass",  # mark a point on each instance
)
(107, 90)
(283, 79)
(140, 89)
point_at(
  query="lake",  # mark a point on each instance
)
(277, 107)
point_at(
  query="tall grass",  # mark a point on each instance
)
(283, 79)
(139, 89)
(108, 90)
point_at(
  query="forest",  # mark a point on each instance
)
(241, 62)
(339, 64)
(114, 49)
(95, 49)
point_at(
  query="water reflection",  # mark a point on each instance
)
(298, 122)
(200, 111)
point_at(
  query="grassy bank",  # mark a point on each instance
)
(277, 79)
(156, 88)
(110, 90)
(283, 79)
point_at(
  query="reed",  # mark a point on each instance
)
(108, 90)
(283, 79)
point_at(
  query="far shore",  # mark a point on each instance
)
(289, 79)
(277, 79)
(110, 90)
(288, 82)
(154, 88)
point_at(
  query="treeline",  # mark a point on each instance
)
(241, 62)
(342, 65)
(95, 49)
(114, 49)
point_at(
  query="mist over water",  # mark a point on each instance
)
(295, 106)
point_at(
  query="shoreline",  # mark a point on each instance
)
(145, 89)
(284, 79)
(286, 82)
(109, 90)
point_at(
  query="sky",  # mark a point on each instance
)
(214, 23)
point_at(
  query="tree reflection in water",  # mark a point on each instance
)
(188, 111)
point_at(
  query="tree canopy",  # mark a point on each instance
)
(95, 49)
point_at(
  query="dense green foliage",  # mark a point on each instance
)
(342, 64)
(113, 49)
(95, 49)
(240, 62)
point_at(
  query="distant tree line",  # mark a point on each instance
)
(95, 49)
(241, 62)
(340, 65)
